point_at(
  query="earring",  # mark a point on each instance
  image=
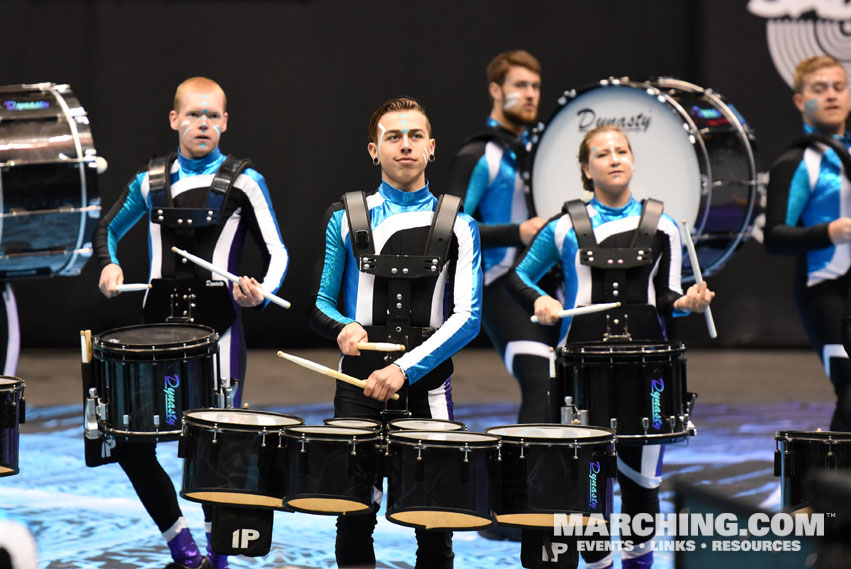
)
(375, 161)
(431, 157)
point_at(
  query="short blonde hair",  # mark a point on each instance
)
(200, 83)
(810, 64)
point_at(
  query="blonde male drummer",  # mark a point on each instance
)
(205, 202)
(369, 288)
(646, 240)
(809, 194)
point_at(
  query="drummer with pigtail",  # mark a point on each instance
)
(399, 266)
(204, 202)
(613, 249)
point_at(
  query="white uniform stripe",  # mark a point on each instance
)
(268, 230)
(438, 401)
(524, 347)
(493, 156)
(175, 529)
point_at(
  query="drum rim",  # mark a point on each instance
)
(815, 436)
(17, 385)
(462, 426)
(421, 439)
(304, 433)
(189, 420)
(622, 348)
(610, 435)
(376, 424)
(98, 344)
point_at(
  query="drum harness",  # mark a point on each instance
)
(400, 270)
(809, 139)
(616, 264)
(186, 293)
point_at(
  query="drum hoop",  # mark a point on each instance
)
(375, 424)
(306, 434)
(98, 344)
(17, 385)
(461, 426)
(609, 437)
(831, 437)
(220, 426)
(107, 428)
(408, 438)
(656, 349)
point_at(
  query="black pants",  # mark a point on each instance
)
(821, 308)
(522, 346)
(540, 549)
(354, 533)
(152, 484)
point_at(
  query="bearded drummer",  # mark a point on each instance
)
(215, 199)
(403, 267)
(809, 192)
(650, 288)
(486, 173)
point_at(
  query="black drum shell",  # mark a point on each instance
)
(330, 472)
(628, 382)
(436, 478)
(181, 374)
(554, 476)
(11, 416)
(799, 453)
(242, 467)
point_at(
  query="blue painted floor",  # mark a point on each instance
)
(86, 518)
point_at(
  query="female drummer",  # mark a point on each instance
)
(611, 268)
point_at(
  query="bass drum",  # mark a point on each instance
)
(693, 151)
(49, 201)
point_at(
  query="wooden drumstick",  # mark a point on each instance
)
(229, 276)
(135, 287)
(381, 346)
(591, 308)
(698, 278)
(319, 368)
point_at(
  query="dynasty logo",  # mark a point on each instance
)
(594, 470)
(588, 120)
(657, 386)
(171, 383)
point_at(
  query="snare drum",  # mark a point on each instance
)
(148, 375)
(410, 424)
(355, 423)
(440, 480)
(233, 456)
(12, 414)
(48, 182)
(330, 469)
(797, 453)
(694, 150)
(639, 390)
(547, 469)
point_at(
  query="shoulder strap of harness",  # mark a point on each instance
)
(507, 138)
(651, 212)
(440, 233)
(357, 213)
(808, 139)
(159, 175)
(581, 224)
(227, 174)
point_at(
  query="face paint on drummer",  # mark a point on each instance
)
(380, 138)
(511, 100)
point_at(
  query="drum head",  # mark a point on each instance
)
(8, 383)
(155, 336)
(667, 166)
(549, 433)
(240, 418)
(354, 422)
(425, 425)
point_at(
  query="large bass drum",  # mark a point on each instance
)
(49, 202)
(693, 151)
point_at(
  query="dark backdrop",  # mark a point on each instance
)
(302, 79)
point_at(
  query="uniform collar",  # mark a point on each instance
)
(599, 206)
(492, 123)
(198, 164)
(391, 194)
(844, 139)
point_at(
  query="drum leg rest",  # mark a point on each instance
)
(241, 531)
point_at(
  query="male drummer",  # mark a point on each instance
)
(486, 173)
(368, 290)
(808, 193)
(222, 199)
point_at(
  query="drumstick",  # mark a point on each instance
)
(591, 308)
(229, 276)
(135, 287)
(327, 371)
(381, 346)
(698, 278)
